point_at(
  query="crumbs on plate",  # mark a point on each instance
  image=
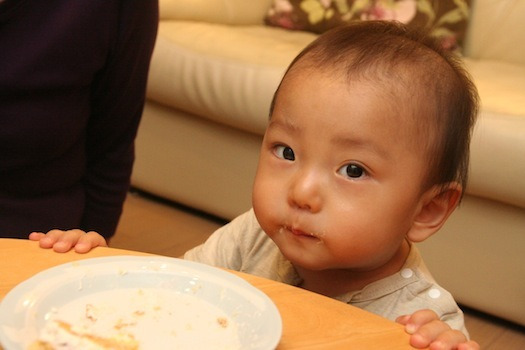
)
(137, 318)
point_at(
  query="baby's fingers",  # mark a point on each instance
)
(60, 241)
(428, 331)
(470, 345)
(47, 240)
(36, 236)
(452, 340)
(88, 241)
(438, 336)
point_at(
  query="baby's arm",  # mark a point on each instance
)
(63, 241)
(426, 330)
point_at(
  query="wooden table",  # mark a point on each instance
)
(310, 321)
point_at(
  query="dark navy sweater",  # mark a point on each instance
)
(72, 88)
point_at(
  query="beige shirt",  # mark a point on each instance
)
(243, 246)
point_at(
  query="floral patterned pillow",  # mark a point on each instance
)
(446, 19)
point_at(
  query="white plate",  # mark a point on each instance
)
(23, 312)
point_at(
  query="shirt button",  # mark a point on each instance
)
(407, 273)
(434, 293)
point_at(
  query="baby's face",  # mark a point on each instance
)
(339, 181)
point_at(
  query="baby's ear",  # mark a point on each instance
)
(435, 207)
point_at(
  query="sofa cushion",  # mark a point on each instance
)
(236, 12)
(224, 73)
(496, 31)
(446, 19)
(498, 143)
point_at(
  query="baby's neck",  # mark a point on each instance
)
(333, 283)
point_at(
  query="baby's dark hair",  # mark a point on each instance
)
(412, 64)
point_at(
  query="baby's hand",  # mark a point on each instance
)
(426, 330)
(63, 241)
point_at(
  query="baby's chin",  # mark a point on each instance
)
(322, 262)
(305, 261)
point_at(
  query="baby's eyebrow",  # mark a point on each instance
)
(354, 141)
(283, 123)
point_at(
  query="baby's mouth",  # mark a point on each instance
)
(300, 233)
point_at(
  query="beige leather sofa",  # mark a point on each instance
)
(213, 73)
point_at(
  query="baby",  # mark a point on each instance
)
(365, 153)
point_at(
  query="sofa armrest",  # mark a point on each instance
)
(241, 12)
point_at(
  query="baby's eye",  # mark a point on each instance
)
(353, 171)
(284, 152)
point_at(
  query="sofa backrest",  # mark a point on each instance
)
(497, 31)
(496, 28)
(240, 12)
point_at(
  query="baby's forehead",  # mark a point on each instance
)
(415, 69)
(403, 103)
(404, 92)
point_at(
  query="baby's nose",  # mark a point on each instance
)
(306, 191)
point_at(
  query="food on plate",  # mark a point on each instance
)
(137, 318)
(62, 335)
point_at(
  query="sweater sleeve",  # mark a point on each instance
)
(117, 101)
